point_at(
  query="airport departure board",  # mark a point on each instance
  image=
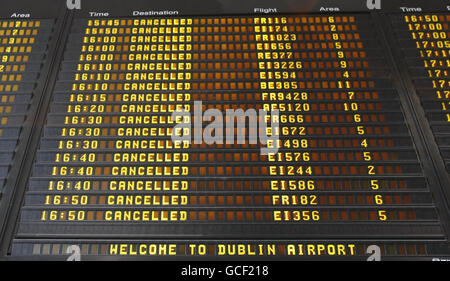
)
(23, 45)
(425, 41)
(228, 133)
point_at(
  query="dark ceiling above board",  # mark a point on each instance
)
(214, 7)
(48, 8)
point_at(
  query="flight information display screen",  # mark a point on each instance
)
(213, 133)
(23, 45)
(108, 165)
(425, 40)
